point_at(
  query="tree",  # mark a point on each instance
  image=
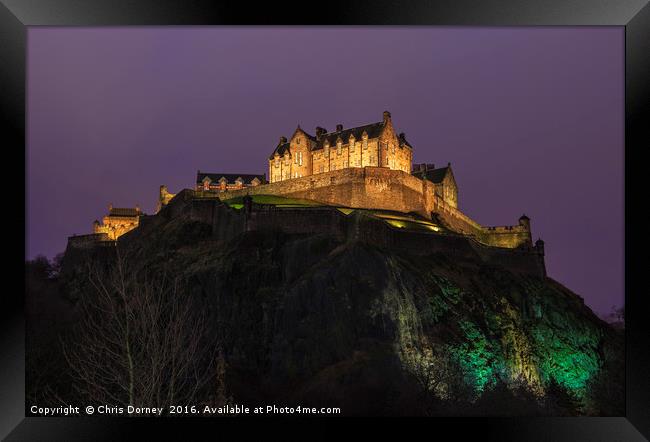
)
(141, 341)
(442, 387)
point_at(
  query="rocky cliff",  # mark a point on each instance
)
(313, 319)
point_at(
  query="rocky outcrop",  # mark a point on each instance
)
(316, 319)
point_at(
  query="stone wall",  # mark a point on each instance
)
(386, 189)
(227, 222)
(88, 241)
(360, 226)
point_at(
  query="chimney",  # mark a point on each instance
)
(386, 116)
(339, 127)
(110, 206)
(320, 131)
(283, 140)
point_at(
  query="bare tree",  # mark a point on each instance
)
(441, 383)
(142, 342)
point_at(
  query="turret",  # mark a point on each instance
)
(539, 246)
(524, 222)
(386, 117)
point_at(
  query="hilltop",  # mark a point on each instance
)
(371, 311)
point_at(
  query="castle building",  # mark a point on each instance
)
(374, 144)
(366, 167)
(221, 182)
(443, 179)
(118, 221)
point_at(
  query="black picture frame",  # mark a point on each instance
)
(17, 15)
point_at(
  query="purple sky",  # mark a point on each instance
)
(530, 118)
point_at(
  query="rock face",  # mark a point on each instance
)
(312, 319)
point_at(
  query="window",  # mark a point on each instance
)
(321, 168)
(300, 158)
(333, 166)
(358, 162)
(352, 145)
(365, 144)
(338, 147)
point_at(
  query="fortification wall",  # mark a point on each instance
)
(88, 241)
(360, 226)
(386, 189)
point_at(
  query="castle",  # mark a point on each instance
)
(361, 168)
(371, 145)
(117, 222)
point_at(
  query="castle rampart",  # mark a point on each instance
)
(385, 189)
(360, 226)
(227, 223)
(88, 241)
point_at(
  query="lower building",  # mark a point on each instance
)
(221, 182)
(118, 221)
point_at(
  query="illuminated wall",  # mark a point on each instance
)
(118, 222)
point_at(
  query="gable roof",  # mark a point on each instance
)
(402, 139)
(434, 175)
(373, 130)
(123, 211)
(230, 177)
(280, 150)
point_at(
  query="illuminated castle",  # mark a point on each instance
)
(371, 145)
(367, 167)
(118, 221)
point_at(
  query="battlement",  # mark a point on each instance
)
(89, 240)
(387, 189)
(355, 225)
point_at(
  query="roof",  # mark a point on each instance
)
(402, 139)
(433, 175)
(280, 149)
(373, 130)
(230, 177)
(124, 211)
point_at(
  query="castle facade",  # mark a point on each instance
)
(118, 221)
(374, 144)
